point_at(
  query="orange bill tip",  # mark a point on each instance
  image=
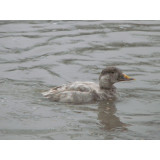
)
(127, 77)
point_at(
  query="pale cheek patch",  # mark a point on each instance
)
(105, 77)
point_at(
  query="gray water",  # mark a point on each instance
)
(38, 55)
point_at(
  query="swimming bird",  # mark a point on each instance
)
(88, 92)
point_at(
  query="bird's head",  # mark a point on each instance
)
(111, 75)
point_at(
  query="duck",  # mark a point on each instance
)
(88, 92)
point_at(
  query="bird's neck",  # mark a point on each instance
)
(105, 85)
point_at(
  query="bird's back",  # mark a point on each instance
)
(77, 92)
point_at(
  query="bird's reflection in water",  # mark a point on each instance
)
(107, 118)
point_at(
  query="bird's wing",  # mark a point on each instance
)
(76, 86)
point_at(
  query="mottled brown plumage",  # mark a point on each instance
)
(88, 92)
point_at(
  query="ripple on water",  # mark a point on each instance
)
(37, 55)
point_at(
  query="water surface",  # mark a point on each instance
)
(37, 55)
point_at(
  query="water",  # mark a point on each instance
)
(37, 55)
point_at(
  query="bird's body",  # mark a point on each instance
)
(79, 92)
(87, 92)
